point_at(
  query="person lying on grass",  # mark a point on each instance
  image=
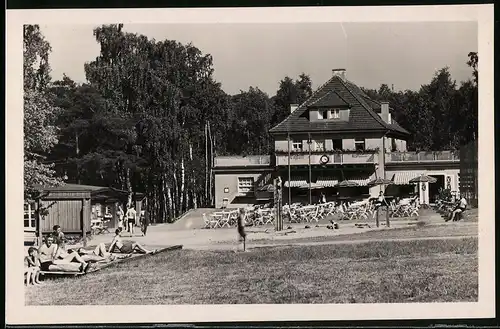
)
(50, 255)
(97, 254)
(127, 247)
(32, 267)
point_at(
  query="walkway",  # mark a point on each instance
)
(186, 232)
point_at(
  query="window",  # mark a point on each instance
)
(394, 146)
(323, 114)
(297, 145)
(336, 144)
(320, 145)
(329, 114)
(359, 144)
(29, 215)
(245, 184)
(334, 114)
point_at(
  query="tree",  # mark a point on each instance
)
(472, 62)
(250, 123)
(159, 97)
(290, 92)
(40, 132)
(36, 68)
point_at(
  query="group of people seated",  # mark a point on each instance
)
(53, 252)
(458, 210)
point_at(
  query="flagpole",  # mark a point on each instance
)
(309, 142)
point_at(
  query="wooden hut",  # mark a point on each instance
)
(73, 207)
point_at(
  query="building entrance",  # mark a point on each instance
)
(434, 188)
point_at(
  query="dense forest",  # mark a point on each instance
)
(151, 117)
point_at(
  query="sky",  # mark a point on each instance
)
(405, 55)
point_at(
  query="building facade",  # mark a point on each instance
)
(338, 134)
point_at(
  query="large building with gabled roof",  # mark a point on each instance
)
(337, 134)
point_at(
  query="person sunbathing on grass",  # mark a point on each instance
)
(50, 255)
(127, 247)
(97, 254)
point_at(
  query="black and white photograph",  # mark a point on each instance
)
(241, 166)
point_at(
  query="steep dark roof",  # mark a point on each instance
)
(377, 107)
(330, 99)
(362, 116)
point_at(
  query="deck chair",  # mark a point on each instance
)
(225, 219)
(209, 222)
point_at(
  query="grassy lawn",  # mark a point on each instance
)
(413, 231)
(374, 272)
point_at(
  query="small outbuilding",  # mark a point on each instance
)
(75, 207)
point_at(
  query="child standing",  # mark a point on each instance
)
(32, 267)
(241, 227)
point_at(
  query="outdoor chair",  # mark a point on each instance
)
(225, 219)
(210, 222)
(104, 226)
(269, 217)
(233, 217)
(313, 214)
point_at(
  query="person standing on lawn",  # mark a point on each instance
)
(379, 203)
(241, 227)
(120, 215)
(131, 218)
(59, 238)
(144, 222)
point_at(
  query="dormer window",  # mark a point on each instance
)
(322, 114)
(328, 114)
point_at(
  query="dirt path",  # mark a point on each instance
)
(285, 243)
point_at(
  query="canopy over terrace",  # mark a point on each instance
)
(70, 206)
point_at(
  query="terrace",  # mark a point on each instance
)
(431, 156)
(337, 158)
(242, 161)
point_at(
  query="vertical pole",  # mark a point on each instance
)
(85, 219)
(39, 223)
(377, 218)
(309, 142)
(387, 220)
(289, 175)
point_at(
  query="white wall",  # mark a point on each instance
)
(348, 144)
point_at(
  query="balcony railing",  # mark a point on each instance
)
(334, 158)
(236, 161)
(437, 156)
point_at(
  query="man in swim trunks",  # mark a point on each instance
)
(50, 255)
(127, 247)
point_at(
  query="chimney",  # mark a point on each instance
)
(339, 73)
(385, 112)
(293, 107)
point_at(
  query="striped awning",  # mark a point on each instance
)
(295, 182)
(361, 182)
(403, 177)
(327, 181)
